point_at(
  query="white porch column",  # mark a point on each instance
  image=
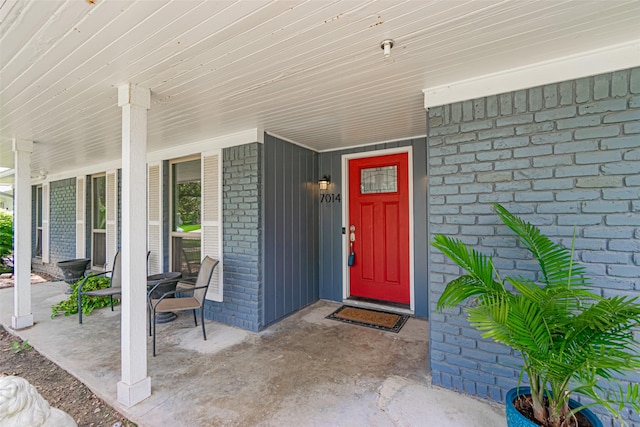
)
(22, 315)
(135, 385)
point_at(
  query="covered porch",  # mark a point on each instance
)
(534, 105)
(305, 370)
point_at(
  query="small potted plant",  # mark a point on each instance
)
(571, 339)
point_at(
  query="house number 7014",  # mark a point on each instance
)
(330, 198)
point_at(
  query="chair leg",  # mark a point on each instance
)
(111, 301)
(154, 332)
(195, 319)
(204, 332)
(80, 308)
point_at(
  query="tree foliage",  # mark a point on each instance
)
(6, 236)
(188, 206)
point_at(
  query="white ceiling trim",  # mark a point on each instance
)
(351, 147)
(87, 170)
(585, 64)
(239, 138)
(291, 141)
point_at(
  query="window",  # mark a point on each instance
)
(39, 221)
(186, 216)
(98, 221)
(379, 180)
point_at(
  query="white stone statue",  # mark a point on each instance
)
(22, 406)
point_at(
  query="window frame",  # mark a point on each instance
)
(39, 229)
(172, 216)
(95, 230)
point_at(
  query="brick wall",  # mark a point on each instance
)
(560, 156)
(62, 226)
(242, 239)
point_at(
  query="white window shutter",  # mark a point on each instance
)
(112, 216)
(45, 222)
(81, 230)
(212, 218)
(154, 217)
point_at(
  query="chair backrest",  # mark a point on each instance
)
(116, 272)
(204, 277)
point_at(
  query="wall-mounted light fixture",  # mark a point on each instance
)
(324, 182)
(386, 46)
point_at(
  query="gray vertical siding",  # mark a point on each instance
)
(166, 215)
(87, 212)
(331, 257)
(421, 260)
(290, 228)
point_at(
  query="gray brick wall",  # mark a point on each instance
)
(62, 225)
(242, 239)
(560, 156)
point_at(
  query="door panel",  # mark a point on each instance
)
(392, 249)
(379, 211)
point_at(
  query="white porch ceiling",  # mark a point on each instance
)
(309, 71)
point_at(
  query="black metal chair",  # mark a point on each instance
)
(194, 300)
(115, 285)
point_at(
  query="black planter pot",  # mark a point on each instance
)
(73, 269)
(516, 419)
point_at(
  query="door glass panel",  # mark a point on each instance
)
(379, 180)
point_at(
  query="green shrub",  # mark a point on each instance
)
(70, 305)
(6, 236)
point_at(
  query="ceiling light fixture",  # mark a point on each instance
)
(386, 46)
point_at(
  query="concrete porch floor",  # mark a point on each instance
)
(303, 371)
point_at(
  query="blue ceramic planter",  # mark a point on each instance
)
(516, 419)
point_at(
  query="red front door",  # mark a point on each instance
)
(379, 218)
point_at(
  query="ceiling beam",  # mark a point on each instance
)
(8, 172)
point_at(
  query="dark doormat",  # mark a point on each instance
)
(382, 320)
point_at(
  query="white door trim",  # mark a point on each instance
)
(345, 214)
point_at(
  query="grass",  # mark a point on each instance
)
(189, 227)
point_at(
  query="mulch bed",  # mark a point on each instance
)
(61, 389)
(6, 279)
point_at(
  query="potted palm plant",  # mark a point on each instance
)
(571, 339)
